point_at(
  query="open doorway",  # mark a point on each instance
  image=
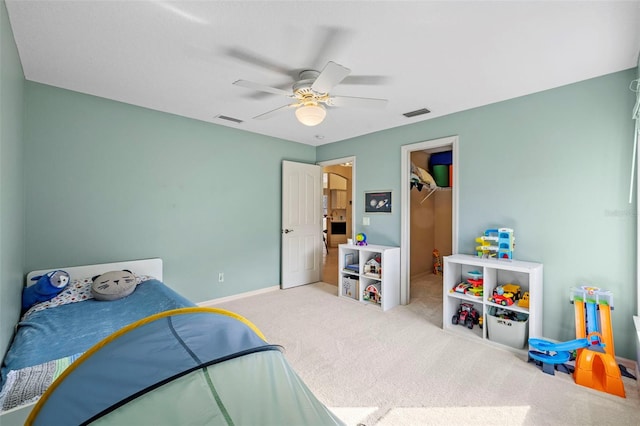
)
(337, 204)
(429, 220)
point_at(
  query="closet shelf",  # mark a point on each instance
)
(432, 190)
(417, 183)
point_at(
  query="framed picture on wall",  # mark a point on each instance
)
(377, 202)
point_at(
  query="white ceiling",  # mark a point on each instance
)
(182, 57)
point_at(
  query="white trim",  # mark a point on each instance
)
(219, 300)
(405, 219)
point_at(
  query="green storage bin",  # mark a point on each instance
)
(441, 175)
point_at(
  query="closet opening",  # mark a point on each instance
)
(429, 221)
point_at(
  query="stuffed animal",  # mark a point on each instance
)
(46, 288)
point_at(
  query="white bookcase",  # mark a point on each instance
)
(369, 274)
(509, 334)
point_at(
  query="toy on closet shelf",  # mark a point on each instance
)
(361, 239)
(496, 243)
(437, 262)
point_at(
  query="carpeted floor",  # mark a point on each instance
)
(400, 368)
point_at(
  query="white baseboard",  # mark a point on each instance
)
(214, 302)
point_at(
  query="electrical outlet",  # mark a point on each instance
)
(221, 277)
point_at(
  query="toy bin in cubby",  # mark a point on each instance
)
(511, 332)
(350, 286)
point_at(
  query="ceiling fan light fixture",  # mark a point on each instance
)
(311, 114)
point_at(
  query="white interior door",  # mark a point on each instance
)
(301, 223)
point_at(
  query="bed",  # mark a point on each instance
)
(152, 357)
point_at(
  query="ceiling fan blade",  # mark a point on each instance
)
(274, 112)
(328, 42)
(262, 88)
(260, 61)
(349, 101)
(370, 80)
(331, 75)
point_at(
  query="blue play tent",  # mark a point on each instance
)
(182, 367)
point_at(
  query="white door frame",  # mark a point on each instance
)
(405, 220)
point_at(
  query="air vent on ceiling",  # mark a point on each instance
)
(224, 117)
(416, 112)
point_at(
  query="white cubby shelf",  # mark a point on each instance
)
(512, 335)
(372, 266)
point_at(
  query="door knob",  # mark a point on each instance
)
(286, 231)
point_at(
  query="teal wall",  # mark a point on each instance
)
(108, 181)
(12, 248)
(555, 167)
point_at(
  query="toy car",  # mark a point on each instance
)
(524, 302)
(503, 297)
(461, 288)
(513, 288)
(467, 315)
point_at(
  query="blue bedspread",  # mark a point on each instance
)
(73, 328)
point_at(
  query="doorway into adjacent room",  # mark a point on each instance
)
(429, 221)
(337, 209)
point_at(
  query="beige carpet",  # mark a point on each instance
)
(400, 368)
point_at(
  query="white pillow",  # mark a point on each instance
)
(113, 285)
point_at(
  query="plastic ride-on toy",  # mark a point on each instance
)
(467, 315)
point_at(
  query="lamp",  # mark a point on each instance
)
(311, 114)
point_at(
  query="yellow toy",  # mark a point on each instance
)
(513, 288)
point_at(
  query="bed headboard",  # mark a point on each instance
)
(152, 267)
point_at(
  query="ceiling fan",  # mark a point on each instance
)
(310, 94)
